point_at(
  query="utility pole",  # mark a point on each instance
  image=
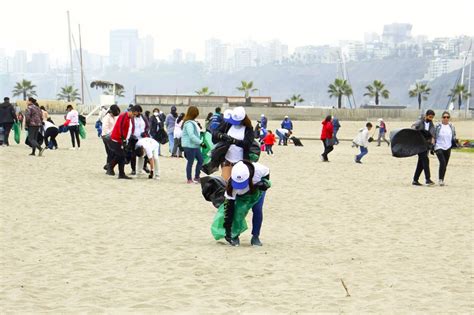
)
(70, 49)
(82, 70)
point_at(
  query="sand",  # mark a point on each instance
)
(75, 240)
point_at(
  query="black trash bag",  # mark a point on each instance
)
(39, 139)
(296, 141)
(82, 120)
(217, 157)
(161, 136)
(213, 189)
(408, 142)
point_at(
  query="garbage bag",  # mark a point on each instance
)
(82, 131)
(217, 157)
(408, 142)
(213, 188)
(207, 146)
(17, 131)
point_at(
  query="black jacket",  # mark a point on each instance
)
(7, 113)
(245, 144)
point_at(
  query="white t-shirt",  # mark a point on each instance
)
(73, 116)
(443, 141)
(149, 145)
(260, 171)
(139, 127)
(178, 130)
(235, 153)
(47, 125)
(283, 131)
(427, 125)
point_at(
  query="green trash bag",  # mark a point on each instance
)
(82, 131)
(206, 139)
(242, 206)
(17, 131)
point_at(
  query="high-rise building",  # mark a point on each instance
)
(190, 57)
(177, 56)
(123, 48)
(242, 58)
(146, 52)
(20, 61)
(371, 37)
(396, 33)
(39, 63)
(216, 55)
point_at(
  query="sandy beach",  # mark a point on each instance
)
(75, 240)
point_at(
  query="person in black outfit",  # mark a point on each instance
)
(7, 118)
(425, 125)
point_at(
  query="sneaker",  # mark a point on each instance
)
(430, 182)
(32, 154)
(140, 172)
(255, 241)
(416, 183)
(106, 166)
(133, 173)
(233, 241)
(322, 158)
(146, 170)
(157, 177)
(358, 161)
(189, 181)
(110, 172)
(124, 177)
(41, 151)
(72, 149)
(441, 182)
(197, 180)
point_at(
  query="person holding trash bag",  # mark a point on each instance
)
(426, 126)
(7, 119)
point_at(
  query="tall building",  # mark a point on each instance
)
(146, 52)
(396, 33)
(216, 55)
(242, 58)
(20, 61)
(190, 57)
(371, 37)
(177, 56)
(39, 63)
(123, 48)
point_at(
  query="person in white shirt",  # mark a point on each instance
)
(50, 131)
(150, 147)
(140, 131)
(72, 122)
(177, 133)
(362, 141)
(108, 123)
(283, 135)
(445, 136)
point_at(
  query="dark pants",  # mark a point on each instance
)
(7, 127)
(191, 154)
(327, 150)
(133, 159)
(422, 165)
(334, 135)
(118, 156)
(257, 217)
(33, 132)
(443, 158)
(74, 131)
(177, 149)
(50, 138)
(109, 152)
(268, 148)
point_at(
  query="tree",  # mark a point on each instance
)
(459, 91)
(204, 92)
(296, 98)
(247, 88)
(377, 89)
(24, 88)
(421, 91)
(69, 94)
(338, 89)
(119, 92)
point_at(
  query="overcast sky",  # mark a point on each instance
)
(41, 25)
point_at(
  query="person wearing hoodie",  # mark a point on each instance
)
(287, 124)
(362, 141)
(327, 137)
(7, 118)
(170, 121)
(263, 121)
(33, 121)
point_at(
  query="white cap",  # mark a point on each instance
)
(227, 114)
(286, 116)
(262, 115)
(380, 119)
(238, 114)
(240, 175)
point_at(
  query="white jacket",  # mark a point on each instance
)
(362, 138)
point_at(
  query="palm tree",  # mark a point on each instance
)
(461, 93)
(68, 93)
(119, 91)
(296, 98)
(24, 88)
(421, 91)
(377, 89)
(204, 92)
(338, 89)
(246, 87)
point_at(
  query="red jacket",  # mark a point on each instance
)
(326, 133)
(269, 139)
(120, 131)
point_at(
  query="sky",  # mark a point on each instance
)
(41, 25)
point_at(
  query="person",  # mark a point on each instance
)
(191, 142)
(382, 127)
(45, 113)
(362, 141)
(327, 137)
(108, 123)
(215, 120)
(140, 131)
(72, 122)
(247, 178)
(426, 125)
(7, 118)
(147, 116)
(336, 125)
(287, 124)
(33, 121)
(283, 135)
(269, 141)
(178, 132)
(263, 121)
(169, 123)
(237, 131)
(149, 146)
(123, 129)
(156, 127)
(445, 136)
(50, 131)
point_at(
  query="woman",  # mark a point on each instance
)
(140, 131)
(238, 131)
(156, 127)
(178, 132)
(108, 123)
(50, 131)
(45, 113)
(244, 191)
(191, 142)
(445, 136)
(72, 122)
(327, 137)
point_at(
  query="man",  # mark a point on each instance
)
(7, 118)
(283, 135)
(263, 121)
(33, 121)
(425, 125)
(362, 141)
(382, 131)
(170, 122)
(123, 129)
(336, 125)
(287, 124)
(216, 120)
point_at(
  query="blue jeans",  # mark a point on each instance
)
(334, 135)
(257, 217)
(171, 141)
(363, 151)
(192, 154)
(281, 138)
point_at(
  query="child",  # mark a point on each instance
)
(269, 141)
(362, 141)
(151, 147)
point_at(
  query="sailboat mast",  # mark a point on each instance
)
(70, 49)
(469, 83)
(82, 70)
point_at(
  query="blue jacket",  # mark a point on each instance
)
(287, 124)
(191, 137)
